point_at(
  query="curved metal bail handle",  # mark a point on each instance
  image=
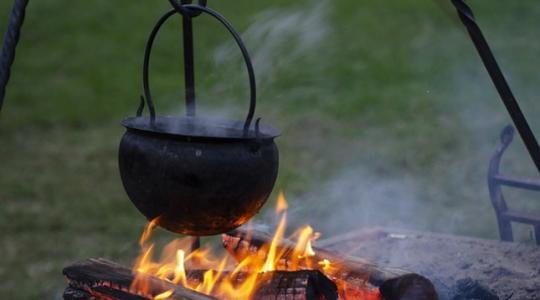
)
(467, 18)
(146, 67)
(191, 9)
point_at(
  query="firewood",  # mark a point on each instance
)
(277, 285)
(74, 294)
(353, 274)
(240, 244)
(299, 285)
(103, 279)
(408, 287)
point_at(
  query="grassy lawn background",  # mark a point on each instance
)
(388, 117)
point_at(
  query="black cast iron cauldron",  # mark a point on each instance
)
(192, 175)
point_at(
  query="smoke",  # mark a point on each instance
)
(445, 192)
(278, 38)
(356, 198)
(447, 195)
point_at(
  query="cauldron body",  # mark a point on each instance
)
(191, 175)
(195, 178)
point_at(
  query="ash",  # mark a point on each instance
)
(460, 267)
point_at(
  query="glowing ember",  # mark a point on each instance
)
(225, 278)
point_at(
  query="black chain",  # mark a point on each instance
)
(11, 38)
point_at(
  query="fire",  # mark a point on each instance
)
(222, 276)
(164, 295)
(270, 263)
(282, 204)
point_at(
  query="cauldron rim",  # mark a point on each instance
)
(197, 127)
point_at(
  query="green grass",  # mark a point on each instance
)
(387, 117)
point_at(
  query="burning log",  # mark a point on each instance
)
(277, 285)
(240, 243)
(349, 272)
(300, 285)
(101, 279)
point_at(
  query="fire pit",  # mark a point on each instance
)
(460, 267)
(254, 266)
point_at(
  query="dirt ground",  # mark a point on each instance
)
(460, 267)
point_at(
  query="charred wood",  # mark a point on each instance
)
(353, 274)
(408, 287)
(74, 294)
(300, 285)
(103, 279)
(240, 244)
(100, 279)
(286, 285)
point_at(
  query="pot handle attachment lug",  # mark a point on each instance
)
(258, 140)
(189, 11)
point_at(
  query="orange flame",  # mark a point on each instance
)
(224, 278)
(281, 207)
(282, 204)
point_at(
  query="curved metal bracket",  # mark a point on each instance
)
(507, 136)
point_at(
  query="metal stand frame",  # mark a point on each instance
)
(11, 39)
(467, 18)
(496, 181)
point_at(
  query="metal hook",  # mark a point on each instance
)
(257, 130)
(181, 9)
